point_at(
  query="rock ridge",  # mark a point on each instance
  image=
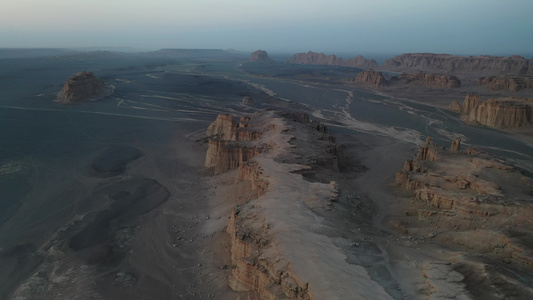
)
(260, 56)
(452, 64)
(508, 112)
(277, 248)
(314, 58)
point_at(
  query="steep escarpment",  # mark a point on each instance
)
(231, 143)
(453, 64)
(314, 58)
(260, 56)
(279, 245)
(472, 202)
(376, 78)
(509, 112)
(82, 87)
(512, 84)
(371, 77)
(434, 80)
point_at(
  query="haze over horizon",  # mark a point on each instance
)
(338, 26)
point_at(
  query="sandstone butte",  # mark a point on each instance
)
(278, 245)
(453, 64)
(508, 112)
(260, 56)
(472, 201)
(376, 78)
(81, 87)
(512, 84)
(313, 58)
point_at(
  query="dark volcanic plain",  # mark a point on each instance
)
(110, 199)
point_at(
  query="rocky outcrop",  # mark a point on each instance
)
(260, 56)
(512, 84)
(461, 194)
(456, 146)
(82, 87)
(275, 249)
(452, 64)
(313, 58)
(230, 143)
(371, 77)
(510, 112)
(434, 80)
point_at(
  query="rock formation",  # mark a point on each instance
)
(468, 199)
(452, 64)
(82, 87)
(313, 58)
(278, 248)
(510, 112)
(230, 143)
(260, 56)
(456, 146)
(371, 77)
(435, 80)
(512, 84)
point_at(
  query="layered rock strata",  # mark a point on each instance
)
(512, 84)
(453, 64)
(230, 143)
(313, 58)
(434, 80)
(260, 56)
(82, 87)
(509, 112)
(371, 77)
(473, 202)
(278, 245)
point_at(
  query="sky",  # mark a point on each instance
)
(493, 27)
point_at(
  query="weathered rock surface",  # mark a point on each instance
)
(452, 64)
(82, 87)
(509, 112)
(230, 143)
(512, 84)
(278, 247)
(434, 80)
(260, 56)
(313, 58)
(470, 200)
(371, 77)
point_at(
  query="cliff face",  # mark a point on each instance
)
(512, 84)
(371, 77)
(445, 63)
(230, 143)
(275, 250)
(435, 80)
(511, 112)
(82, 87)
(260, 56)
(313, 58)
(459, 194)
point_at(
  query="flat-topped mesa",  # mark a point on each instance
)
(230, 143)
(509, 112)
(456, 146)
(453, 64)
(82, 87)
(512, 84)
(313, 58)
(434, 80)
(260, 56)
(371, 77)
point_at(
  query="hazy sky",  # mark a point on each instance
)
(331, 26)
